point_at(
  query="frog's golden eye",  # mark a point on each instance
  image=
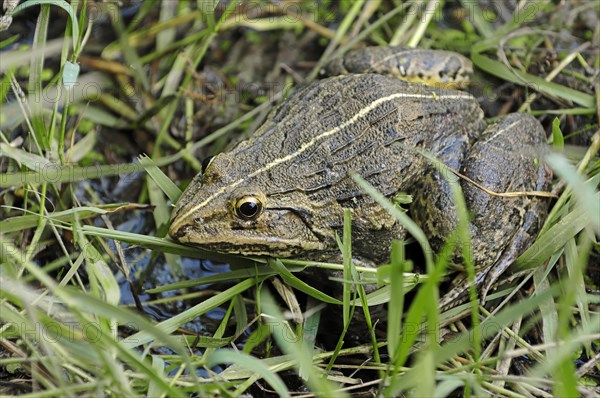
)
(248, 207)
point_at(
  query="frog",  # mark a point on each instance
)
(283, 191)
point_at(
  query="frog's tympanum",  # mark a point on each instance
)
(283, 192)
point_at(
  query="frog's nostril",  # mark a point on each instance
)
(198, 220)
(178, 234)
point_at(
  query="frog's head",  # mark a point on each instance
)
(230, 211)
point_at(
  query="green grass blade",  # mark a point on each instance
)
(255, 365)
(293, 281)
(54, 173)
(262, 272)
(347, 255)
(396, 307)
(164, 183)
(59, 3)
(61, 217)
(555, 237)
(292, 345)
(536, 83)
(28, 159)
(171, 324)
(585, 193)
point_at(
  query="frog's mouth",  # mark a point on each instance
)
(249, 245)
(260, 250)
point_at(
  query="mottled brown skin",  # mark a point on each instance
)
(435, 68)
(298, 163)
(507, 157)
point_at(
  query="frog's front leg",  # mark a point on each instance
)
(506, 158)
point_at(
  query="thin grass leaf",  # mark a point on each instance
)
(296, 283)
(102, 280)
(154, 110)
(158, 364)
(154, 243)
(310, 328)
(28, 159)
(536, 83)
(20, 223)
(369, 30)
(139, 37)
(364, 304)
(431, 9)
(411, 331)
(101, 308)
(165, 37)
(292, 345)
(240, 314)
(265, 24)
(558, 141)
(54, 173)
(59, 3)
(379, 296)
(262, 272)
(576, 261)
(221, 328)
(86, 346)
(571, 111)
(491, 325)
(565, 348)
(555, 237)
(347, 255)
(246, 361)
(396, 307)
(98, 116)
(257, 337)
(36, 65)
(165, 184)
(206, 341)
(462, 342)
(425, 367)
(447, 386)
(13, 59)
(417, 314)
(171, 324)
(479, 18)
(339, 34)
(548, 309)
(82, 148)
(161, 212)
(274, 364)
(129, 52)
(585, 193)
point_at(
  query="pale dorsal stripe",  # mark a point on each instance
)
(360, 114)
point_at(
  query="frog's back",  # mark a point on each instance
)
(366, 124)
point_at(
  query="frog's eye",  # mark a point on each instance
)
(248, 207)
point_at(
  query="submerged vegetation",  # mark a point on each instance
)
(107, 112)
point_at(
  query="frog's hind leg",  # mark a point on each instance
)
(506, 158)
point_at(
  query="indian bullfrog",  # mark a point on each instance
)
(283, 192)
